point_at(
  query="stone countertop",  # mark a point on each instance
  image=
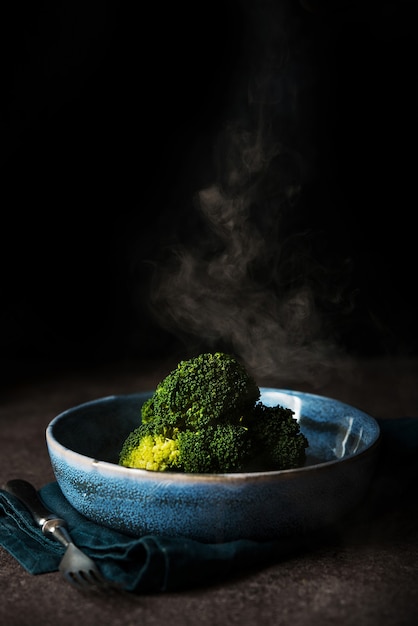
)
(366, 576)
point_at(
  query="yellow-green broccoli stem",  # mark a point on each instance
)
(151, 452)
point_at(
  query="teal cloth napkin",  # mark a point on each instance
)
(146, 564)
(158, 564)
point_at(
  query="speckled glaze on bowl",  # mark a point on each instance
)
(84, 442)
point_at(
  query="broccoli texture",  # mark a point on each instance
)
(206, 417)
(215, 449)
(277, 437)
(202, 391)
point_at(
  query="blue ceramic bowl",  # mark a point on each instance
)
(84, 444)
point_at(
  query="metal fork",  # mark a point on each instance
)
(76, 567)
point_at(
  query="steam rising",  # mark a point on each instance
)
(244, 284)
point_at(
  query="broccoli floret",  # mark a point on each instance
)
(216, 449)
(206, 417)
(150, 449)
(201, 391)
(277, 436)
(147, 411)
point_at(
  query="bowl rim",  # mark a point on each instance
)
(106, 467)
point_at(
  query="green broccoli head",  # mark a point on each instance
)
(206, 417)
(278, 439)
(209, 388)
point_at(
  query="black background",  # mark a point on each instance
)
(109, 121)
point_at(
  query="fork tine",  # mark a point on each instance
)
(78, 569)
(87, 580)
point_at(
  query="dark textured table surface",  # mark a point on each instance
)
(367, 576)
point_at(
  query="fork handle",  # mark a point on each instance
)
(50, 524)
